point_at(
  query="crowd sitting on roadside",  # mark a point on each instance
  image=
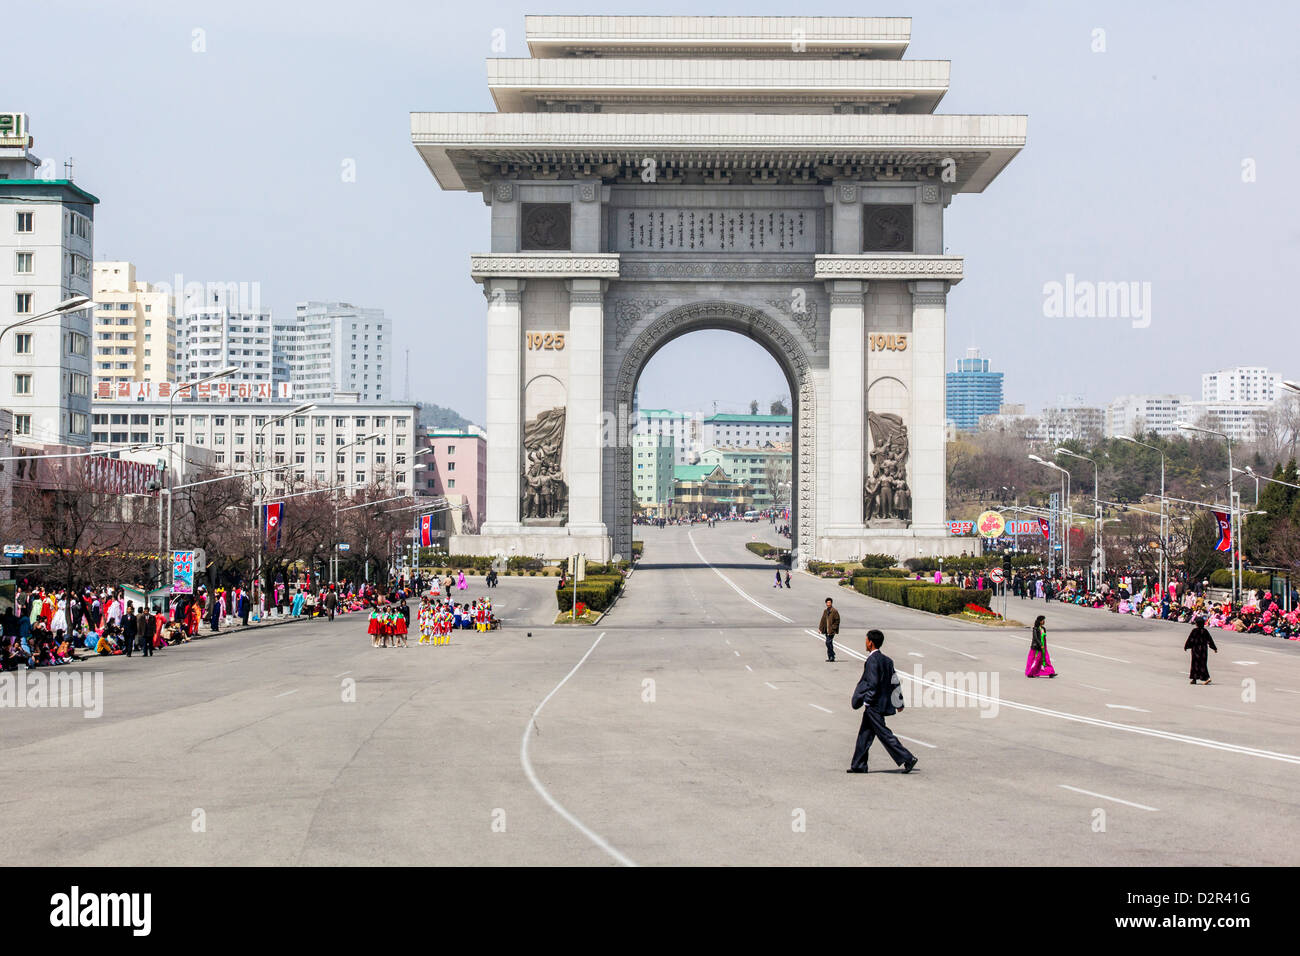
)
(1258, 612)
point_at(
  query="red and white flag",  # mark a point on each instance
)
(1225, 531)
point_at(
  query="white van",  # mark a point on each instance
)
(751, 516)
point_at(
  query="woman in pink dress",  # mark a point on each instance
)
(1039, 663)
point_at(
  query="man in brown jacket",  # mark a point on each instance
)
(828, 628)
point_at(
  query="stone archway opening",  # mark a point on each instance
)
(707, 399)
(790, 358)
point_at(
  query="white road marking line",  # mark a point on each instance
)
(1222, 710)
(955, 651)
(769, 683)
(821, 708)
(1127, 707)
(1246, 663)
(913, 740)
(914, 654)
(1075, 650)
(726, 640)
(1102, 796)
(780, 617)
(1060, 714)
(737, 653)
(1091, 687)
(287, 693)
(1283, 690)
(1093, 721)
(341, 675)
(537, 784)
(748, 668)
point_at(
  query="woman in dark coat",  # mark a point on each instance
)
(1197, 642)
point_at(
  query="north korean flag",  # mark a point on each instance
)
(272, 518)
(1225, 531)
(1045, 527)
(426, 531)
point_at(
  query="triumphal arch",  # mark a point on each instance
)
(782, 177)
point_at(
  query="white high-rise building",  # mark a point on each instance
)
(220, 330)
(1245, 383)
(336, 347)
(135, 327)
(47, 236)
(682, 429)
(1138, 415)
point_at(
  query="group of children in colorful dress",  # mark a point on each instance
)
(387, 623)
(435, 618)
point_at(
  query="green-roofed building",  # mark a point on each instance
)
(707, 489)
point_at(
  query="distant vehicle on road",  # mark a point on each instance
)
(751, 515)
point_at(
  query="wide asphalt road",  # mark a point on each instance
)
(699, 723)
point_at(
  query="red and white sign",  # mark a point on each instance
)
(961, 527)
(996, 575)
(205, 392)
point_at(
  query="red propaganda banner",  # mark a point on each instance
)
(1225, 531)
(1045, 527)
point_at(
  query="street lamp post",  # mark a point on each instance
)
(259, 494)
(1065, 473)
(334, 471)
(1099, 551)
(74, 304)
(171, 435)
(1163, 573)
(1233, 527)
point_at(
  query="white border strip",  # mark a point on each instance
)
(591, 835)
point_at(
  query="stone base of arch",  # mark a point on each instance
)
(528, 541)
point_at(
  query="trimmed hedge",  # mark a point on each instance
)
(943, 600)
(922, 595)
(882, 573)
(878, 561)
(1253, 580)
(597, 591)
(762, 549)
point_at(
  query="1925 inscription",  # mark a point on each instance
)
(545, 340)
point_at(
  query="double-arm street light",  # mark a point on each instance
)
(1233, 520)
(1065, 473)
(1099, 551)
(1164, 520)
(334, 545)
(259, 490)
(171, 434)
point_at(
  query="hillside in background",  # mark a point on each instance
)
(435, 416)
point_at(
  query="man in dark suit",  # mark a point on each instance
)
(144, 627)
(129, 628)
(874, 694)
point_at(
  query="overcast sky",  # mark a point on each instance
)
(226, 165)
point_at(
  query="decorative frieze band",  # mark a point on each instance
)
(586, 298)
(947, 268)
(706, 269)
(553, 265)
(929, 298)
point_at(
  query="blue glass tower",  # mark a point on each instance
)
(972, 391)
